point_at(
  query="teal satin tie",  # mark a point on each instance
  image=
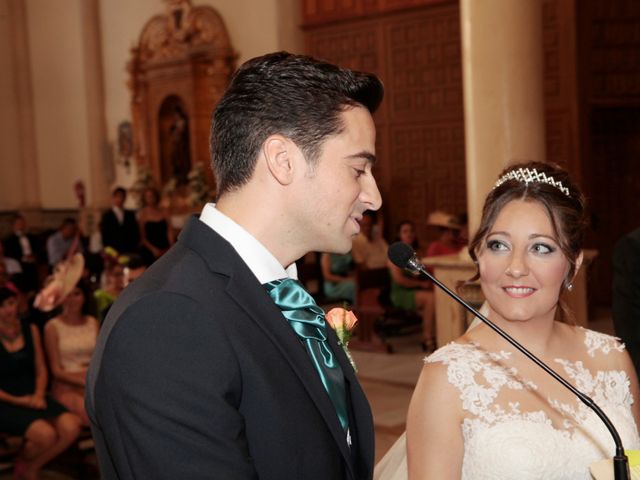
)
(307, 320)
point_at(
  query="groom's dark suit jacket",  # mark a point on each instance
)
(198, 375)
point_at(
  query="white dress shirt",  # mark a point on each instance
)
(119, 213)
(260, 261)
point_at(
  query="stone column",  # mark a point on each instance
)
(503, 91)
(100, 155)
(28, 173)
(100, 168)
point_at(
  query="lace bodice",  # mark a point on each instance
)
(507, 432)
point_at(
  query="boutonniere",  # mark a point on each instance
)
(343, 322)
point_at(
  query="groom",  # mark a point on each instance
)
(215, 364)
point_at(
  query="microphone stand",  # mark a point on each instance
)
(620, 460)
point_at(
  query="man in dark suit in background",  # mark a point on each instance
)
(198, 373)
(626, 293)
(24, 248)
(118, 226)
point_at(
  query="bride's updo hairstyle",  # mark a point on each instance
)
(550, 186)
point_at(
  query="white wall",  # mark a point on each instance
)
(60, 99)
(255, 27)
(65, 139)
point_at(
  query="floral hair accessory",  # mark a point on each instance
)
(111, 257)
(343, 321)
(531, 175)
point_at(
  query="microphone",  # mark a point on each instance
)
(403, 256)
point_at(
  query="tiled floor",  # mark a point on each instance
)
(388, 381)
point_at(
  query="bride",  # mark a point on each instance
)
(481, 409)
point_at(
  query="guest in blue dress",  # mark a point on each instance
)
(338, 275)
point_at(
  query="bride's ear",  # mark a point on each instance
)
(578, 264)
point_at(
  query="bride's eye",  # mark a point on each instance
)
(496, 246)
(543, 248)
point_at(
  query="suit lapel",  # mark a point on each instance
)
(268, 317)
(361, 409)
(244, 289)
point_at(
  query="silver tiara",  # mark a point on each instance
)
(531, 175)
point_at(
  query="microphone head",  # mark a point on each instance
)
(400, 254)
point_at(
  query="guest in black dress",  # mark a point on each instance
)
(25, 409)
(156, 234)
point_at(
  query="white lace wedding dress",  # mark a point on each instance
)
(503, 440)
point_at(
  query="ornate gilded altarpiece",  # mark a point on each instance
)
(178, 72)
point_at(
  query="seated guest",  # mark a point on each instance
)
(412, 293)
(48, 429)
(462, 235)
(11, 265)
(70, 339)
(133, 268)
(448, 227)
(156, 234)
(119, 226)
(5, 280)
(23, 247)
(113, 284)
(369, 247)
(64, 242)
(337, 273)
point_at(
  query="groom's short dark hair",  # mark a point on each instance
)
(296, 96)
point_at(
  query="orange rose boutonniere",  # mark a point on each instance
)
(343, 322)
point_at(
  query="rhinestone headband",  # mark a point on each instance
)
(527, 175)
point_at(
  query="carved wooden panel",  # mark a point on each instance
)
(560, 91)
(184, 55)
(420, 124)
(317, 12)
(425, 72)
(356, 48)
(609, 39)
(427, 163)
(426, 149)
(614, 49)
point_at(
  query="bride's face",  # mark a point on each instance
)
(522, 268)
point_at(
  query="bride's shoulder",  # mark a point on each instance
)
(458, 362)
(463, 350)
(597, 343)
(596, 350)
(451, 351)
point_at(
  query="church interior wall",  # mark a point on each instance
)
(62, 66)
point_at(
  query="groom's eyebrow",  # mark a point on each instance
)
(368, 156)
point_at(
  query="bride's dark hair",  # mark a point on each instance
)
(562, 199)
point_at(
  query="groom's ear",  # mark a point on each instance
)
(279, 153)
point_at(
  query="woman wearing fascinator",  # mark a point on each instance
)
(481, 409)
